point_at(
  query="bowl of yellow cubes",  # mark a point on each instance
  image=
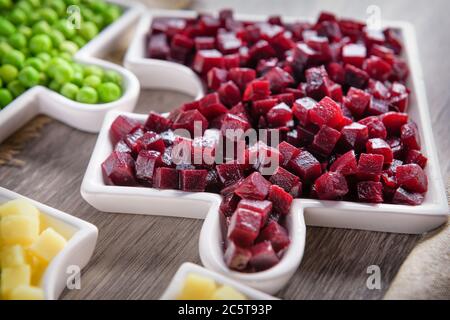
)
(193, 282)
(42, 250)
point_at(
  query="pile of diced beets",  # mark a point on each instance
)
(335, 91)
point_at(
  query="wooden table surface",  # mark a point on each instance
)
(136, 256)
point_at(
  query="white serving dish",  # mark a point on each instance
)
(175, 286)
(85, 117)
(81, 239)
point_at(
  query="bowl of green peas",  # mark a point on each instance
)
(50, 61)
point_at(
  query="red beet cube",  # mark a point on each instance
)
(118, 169)
(286, 180)
(215, 77)
(306, 166)
(158, 47)
(151, 141)
(288, 151)
(193, 180)
(379, 146)
(263, 256)
(377, 68)
(121, 127)
(304, 56)
(229, 204)
(354, 136)
(255, 187)
(232, 61)
(165, 178)
(345, 164)
(331, 186)
(412, 178)
(256, 90)
(399, 96)
(237, 257)
(261, 107)
(375, 126)
(279, 115)
(355, 77)
(204, 43)
(393, 121)
(409, 134)
(244, 227)
(316, 82)
(370, 166)
(146, 163)
(241, 77)
(287, 98)
(264, 158)
(228, 43)
(278, 79)
(190, 120)
(326, 112)
(133, 140)
(401, 196)
(378, 90)
(281, 200)
(415, 156)
(229, 93)
(263, 207)
(325, 140)
(354, 54)
(233, 123)
(210, 106)
(357, 101)
(370, 191)
(301, 108)
(276, 234)
(205, 60)
(121, 146)
(157, 123)
(229, 173)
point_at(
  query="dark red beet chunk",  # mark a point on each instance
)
(146, 163)
(412, 178)
(354, 54)
(263, 207)
(301, 109)
(165, 178)
(345, 164)
(325, 140)
(205, 60)
(193, 180)
(357, 101)
(276, 234)
(401, 196)
(370, 191)
(133, 140)
(415, 156)
(375, 126)
(229, 173)
(286, 180)
(151, 141)
(229, 93)
(210, 106)
(379, 146)
(121, 127)
(377, 68)
(263, 256)
(237, 257)
(354, 136)
(189, 120)
(278, 79)
(288, 152)
(244, 227)
(355, 77)
(370, 166)
(241, 77)
(393, 121)
(121, 146)
(306, 166)
(410, 136)
(157, 123)
(279, 115)
(331, 186)
(281, 200)
(257, 90)
(118, 169)
(326, 112)
(255, 186)
(215, 77)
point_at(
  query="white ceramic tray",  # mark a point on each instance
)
(81, 235)
(175, 286)
(86, 117)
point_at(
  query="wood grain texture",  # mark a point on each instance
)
(136, 256)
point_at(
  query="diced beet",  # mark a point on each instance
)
(287, 98)
(357, 101)
(241, 77)
(412, 178)
(276, 234)
(189, 120)
(233, 122)
(378, 90)
(204, 43)
(210, 106)
(228, 43)
(244, 227)
(232, 61)
(260, 50)
(345, 164)
(377, 68)
(354, 54)
(399, 96)
(409, 134)
(193, 180)
(255, 187)
(288, 151)
(229, 93)
(377, 107)
(370, 191)
(133, 140)
(121, 146)
(229, 204)
(304, 56)
(263, 207)
(240, 111)
(326, 112)
(415, 156)
(397, 147)
(205, 60)
(165, 178)
(157, 123)
(158, 47)
(119, 169)
(288, 181)
(122, 126)
(301, 108)
(215, 77)
(237, 258)
(331, 186)
(256, 90)
(401, 196)
(321, 45)
(379, 146)
(354, 136)
(373, 36)
(306, 166)
(393, 121)
(261, 107)
(264, 158)
(325, 140)
(151, 141)
(279, 115)
(316, 82)
(208, 25)
(146, 163)
(278, 79)
(375, 126)
(263, 256)
(281, 200)
(229, 173)
(370, 166)
(355, 77)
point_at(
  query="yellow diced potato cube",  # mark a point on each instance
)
(14, 277)
(27, 293)
(18, 207)
(48, 245)
(226, 292)
(197, 287)
(38, 268)
(18, 229)
(12, 256)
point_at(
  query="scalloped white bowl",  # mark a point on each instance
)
(81, 239)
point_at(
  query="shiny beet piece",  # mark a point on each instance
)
(357, 101)
(255, 187)
(375, 126)
(215, 77)
(244, 227)
(397, 147)
(377, 68)
(146, 163)
(326, 112)
(409, 133)
(399, 96)
(393, 121)
(228, 43)
(263, 256)
(370, 166)
(354, 54)
(301, 109)
(370, 191)
(229, 93)
(157, 123)
(331, 186)
(325, 140)
(281, 200)
(345, 164)
(306, 166)
(279, 115)
(415, 156)
(278, 79)
(241, 77)
(379, 146)
(229, 173)
(263, 207)
(287, 98)
(402, 196)
(121, 146)
(122, 126)
(152, 141)
(412, 178)
(158, 47)
(286, 180)
(229, 204)
(165, 178)
(256, 90)
(378, 90)
(237, 258)
(276, 234)
(304, 56)
(355, 77)
(377, 107)
(233, 122)
(189, 120)
(205, 60)
(261, 107)
(193, 180)
(133, 140)
(354, 136)
(288, 151)
(210, 106)
(204, 43)
(316, 82)
(118, 169)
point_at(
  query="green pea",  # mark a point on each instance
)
(41, 27)
(92, 81)
(79, 41)
(87, 13)
(58, 5)
(8, 73)
(72, 2)
(78, 78)
(29, 77)
(1, 82)
(53, 64)
(64, 26)
(43, 79)
(98, 5)
(69, 90)
(64, 73)
(111, 14)
(66, 56)
(36, 63)
(5, 4)
(18, 41)
(69, 47)
(35, 3)
(5, 97)
(108, 92)
(112, 76)
(48, 14)
(55, 86)
(18, 16)
(87, 95)
(24, 5)
(26, 31)
(88, 30)
(99, 21)
(14, 57)
(40, 43)
(44, 56)
(93, 70)
(4, 48)
(6, 27)
(57, 37)
(16, 88)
